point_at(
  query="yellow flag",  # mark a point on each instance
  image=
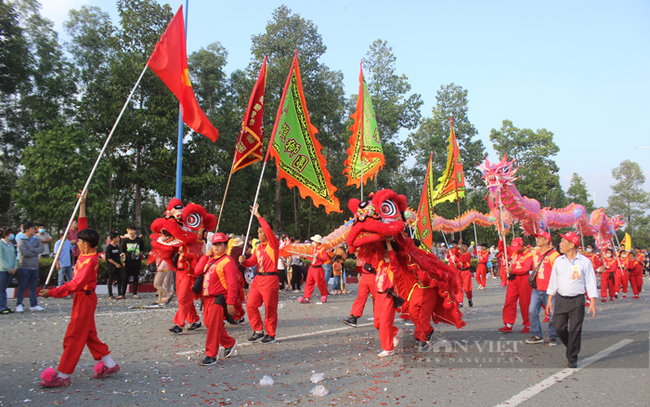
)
(627, 241)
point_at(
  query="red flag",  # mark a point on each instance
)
(169, 62)
(423, 227)
(248, 149)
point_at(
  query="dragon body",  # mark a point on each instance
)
(499, 178)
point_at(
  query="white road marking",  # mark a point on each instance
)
(282, 338)
(561, 375)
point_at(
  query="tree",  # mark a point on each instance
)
(578, 193)
(628, 197)
(14, 54)
(285, 33)
(533, 152)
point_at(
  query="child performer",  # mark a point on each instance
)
(81, 329)
(481, 269)
(384, 308)
(316, 275)
(337, 270)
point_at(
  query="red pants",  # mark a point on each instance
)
(185, 295)
(518, 289)
(81, 332)
(315, 276)
(384, 317)
(263, 290)
(366, 286)
(213, 317)
(481, 272)
(464, 284)
(503, 274)
(422, 303)
(636, 280)
(605, 284)
(621, 278)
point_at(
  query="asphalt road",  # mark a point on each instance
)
(475, 366)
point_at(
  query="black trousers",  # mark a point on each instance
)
(114, 274)
(282, 276)
(296, 277)
(568, 316)
(131, 269)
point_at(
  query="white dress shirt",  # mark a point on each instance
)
(573, 277)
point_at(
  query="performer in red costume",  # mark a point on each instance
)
(81, 330)
(481, 269)
(518, 288)
(220, 294)
(366, 286)
(635, 270)
(622, 276)
(315, 274)
(384, 309)
(265, 285)
(464, 261)
(423, 300)
(607, 276)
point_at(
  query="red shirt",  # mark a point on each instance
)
(522, 263)
(452, 256)
(386, 272)
(320, 256)
(594, 260)
(84, 276)
(464, 261)
(265, 256)
(544, 272)
(483, 256)
(610, 264)
(221, 278)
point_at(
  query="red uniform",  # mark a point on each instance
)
(366, 286)
(81, 329)
(518, 289)
(622, 277)
(316, 275)
(607, 278)
(464, 276)
(635, 269)
(544, 272)
(264, 288)
(384, 311)
(220, 279)
(481, 269)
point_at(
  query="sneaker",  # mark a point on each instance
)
(503, 284)
(396, 338)
(624, 295)
(231, 351)
(303, 300)
(460, 305)
(421, 345)
(352, 321)
(19, 308)
(323, 299)
(101, 370)
(534, 339)
(552, 342)
(506, 329)
(616, 295)
(385, 353)
(611, 299)
(430, 336)
(471, 303)
(194, 326)
(209, 361)
(6, 311)
(603, 300)
(546, 319)
(526, 330)
(636, 297)
(176, 329)
(56, 382)
(240, 321)
(268, 339)
(255, 336)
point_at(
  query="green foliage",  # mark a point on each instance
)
(630, 199)
(533, 152)
(14, 54)
(578, 193)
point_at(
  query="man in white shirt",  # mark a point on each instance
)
(572, 276)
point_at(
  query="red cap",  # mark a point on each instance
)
(219, 238)
(517, 243)
(572, 237)
(544, 234)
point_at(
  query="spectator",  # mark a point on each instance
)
(337, 270)
(114, 268)
(29, 249)
(64, 263)
(162, 269)
(45, 238)
(72, 237)
(132, 249)
(296, 273)
(8, 266)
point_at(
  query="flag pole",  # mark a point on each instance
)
(179, 149)
(444, 238)
(475, 236)
(92, 172)
(223, 201)
(361, 134)
(503, 235)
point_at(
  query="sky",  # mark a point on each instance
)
(579, 69)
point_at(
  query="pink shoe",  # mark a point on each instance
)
(503, 284)
(101, 370)
(546, 319)
(303, 300)
(51, 379)
(323, 299)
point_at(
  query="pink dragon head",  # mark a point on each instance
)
(499, 174)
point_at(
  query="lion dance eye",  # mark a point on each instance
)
(194, 220)
(388, 209)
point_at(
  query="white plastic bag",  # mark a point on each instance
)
(320, 391)
(317, 377)
(266, 381)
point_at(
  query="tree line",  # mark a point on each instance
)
(59, 101)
